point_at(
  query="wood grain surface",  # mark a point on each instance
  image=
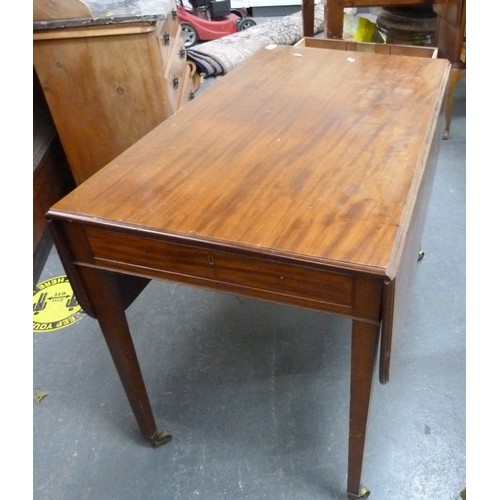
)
(299, 152)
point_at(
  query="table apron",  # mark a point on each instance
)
(261, 276)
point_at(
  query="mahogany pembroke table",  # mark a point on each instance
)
(302, 177)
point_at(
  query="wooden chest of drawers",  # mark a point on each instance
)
(109, 82)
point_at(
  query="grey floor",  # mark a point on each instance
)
(256, 394)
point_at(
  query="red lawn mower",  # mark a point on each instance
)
(210, 19)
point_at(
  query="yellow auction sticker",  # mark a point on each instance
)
(55, 305)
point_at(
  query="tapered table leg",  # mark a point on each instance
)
(110, 313)
(365, 337)
(308, 18)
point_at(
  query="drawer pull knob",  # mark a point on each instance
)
(166, 39)
(174, 14)
(182, 53)
(191, 95)
(211, 260)
(175, 82)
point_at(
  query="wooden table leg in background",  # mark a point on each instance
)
(334, 19)
(308, 17)
(110, 313)
(364, 346)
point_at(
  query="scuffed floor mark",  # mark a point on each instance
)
(39, 395)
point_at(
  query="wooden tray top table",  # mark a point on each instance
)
(302, 177)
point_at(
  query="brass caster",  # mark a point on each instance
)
(363, 493)
(445, 135)
(420, 255)
(159, 438)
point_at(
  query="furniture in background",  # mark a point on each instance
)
(332, 223)
(110, 72)
(334, 12)
(452, 45)
(450, 32)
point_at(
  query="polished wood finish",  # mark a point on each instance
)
(107, 85)
(313, 194)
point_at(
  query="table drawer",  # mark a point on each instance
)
(251, 275)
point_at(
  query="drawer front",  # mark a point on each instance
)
(187, 90)
(175, 72)
(166, 31)
(165, 40)
(224, 270)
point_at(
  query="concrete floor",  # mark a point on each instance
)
(256, 394)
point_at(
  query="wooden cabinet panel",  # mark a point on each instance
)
(449, 10)
(108, 85)
(451, 29)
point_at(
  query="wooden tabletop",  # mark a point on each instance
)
(305, 153)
